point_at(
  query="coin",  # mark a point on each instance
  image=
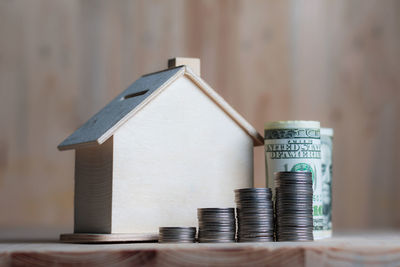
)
(216, 225)
(293, 206)
(254, 215)
(177, 235)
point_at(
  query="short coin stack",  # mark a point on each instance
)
(177, 235)
(255, 215)
(216, 225)
(294, 206)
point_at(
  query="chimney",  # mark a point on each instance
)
(192, 63)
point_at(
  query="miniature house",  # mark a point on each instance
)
(167, 145)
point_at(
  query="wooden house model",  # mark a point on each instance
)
(167, 145)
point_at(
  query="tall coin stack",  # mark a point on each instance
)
(255, 215)
(294, 206)
(216, 225)
(177, 235)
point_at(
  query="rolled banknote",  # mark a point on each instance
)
(296, 146)
(326, 170)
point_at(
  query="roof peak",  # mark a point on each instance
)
(103, 124)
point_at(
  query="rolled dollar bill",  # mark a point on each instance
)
(326, 171)
(296, 146)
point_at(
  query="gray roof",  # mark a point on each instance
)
(118, 108)
(102, 126)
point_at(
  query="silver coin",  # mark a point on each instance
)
(223, 226)
(294, 201)
(295, 235)
(296, 212)
(177, 234)
(216, 240)
(295, 192)
(257, 206)
(263, 198)
(293, 214)
(252, 195)
(215, 211)
(293, 232)
(252, 212)
(294, 239)
(216, 217)
(217, 236)
(256, 226)
(254, 215)
(253, 198)
(254, 202)
(255, 219)
(249, 240)
(254, 235)
(294, 223)
(260, 231)
(293, 206)
(258, 210)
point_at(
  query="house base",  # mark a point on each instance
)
(82, 238)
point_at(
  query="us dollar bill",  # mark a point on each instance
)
(296, 146)
(326, 171)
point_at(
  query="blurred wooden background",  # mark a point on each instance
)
(333, 61)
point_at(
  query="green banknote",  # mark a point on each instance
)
(296, 146)
(326, 170)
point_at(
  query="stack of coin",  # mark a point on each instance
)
(255, 215)
(177, 235)
(294, 206)
(216, 225)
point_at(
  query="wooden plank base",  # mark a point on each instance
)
(351, 249)
(82, 238)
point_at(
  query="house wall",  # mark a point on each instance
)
(93, 188)
(181, 152)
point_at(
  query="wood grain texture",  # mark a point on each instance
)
(80, 238)
(334, 61)
(93, 192)
(379, 249)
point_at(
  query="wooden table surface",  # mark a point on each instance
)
(350, 249)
